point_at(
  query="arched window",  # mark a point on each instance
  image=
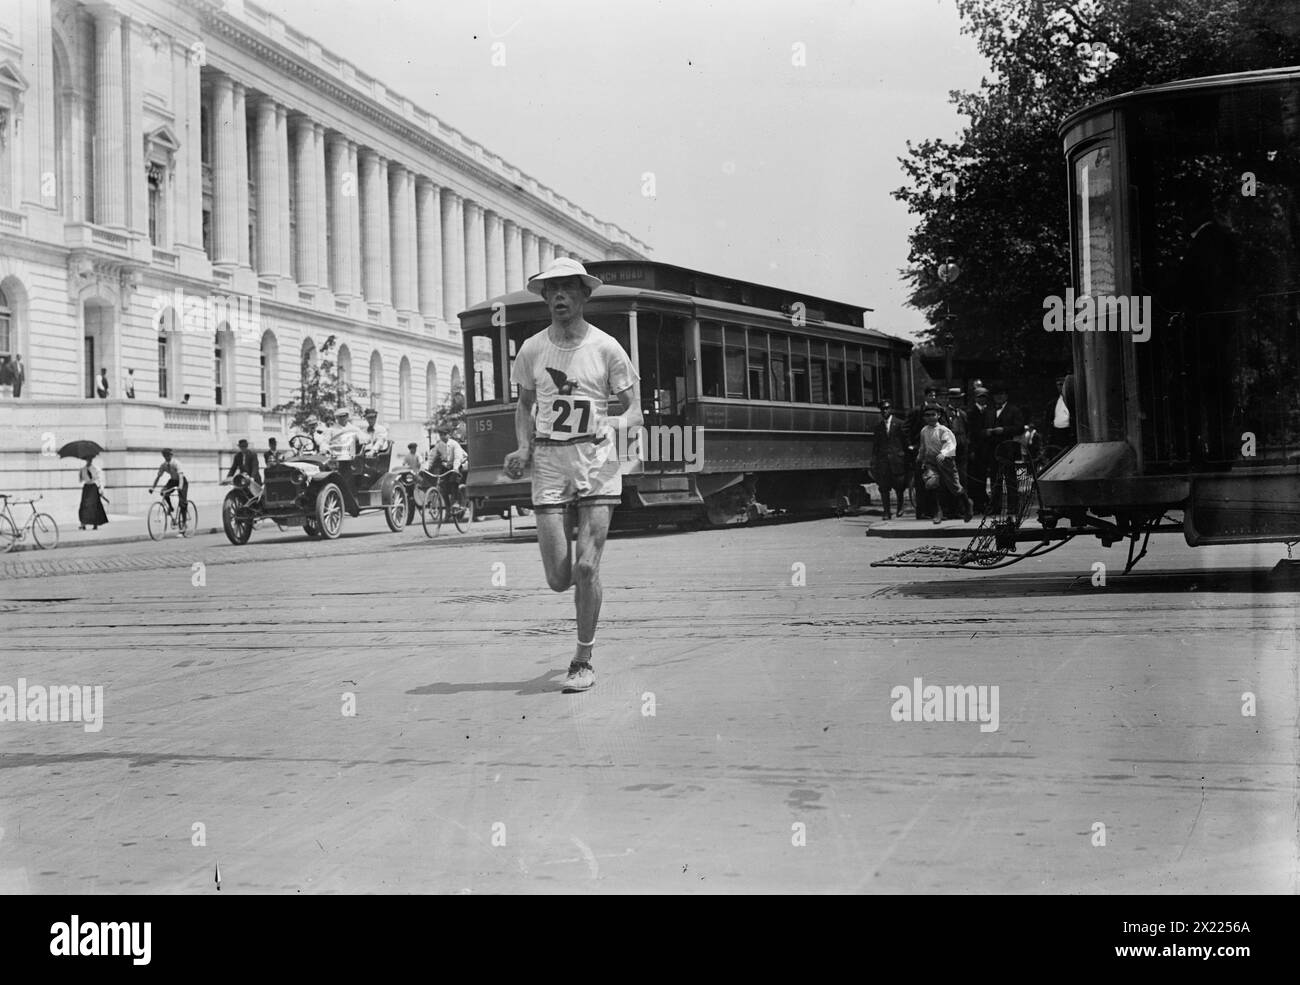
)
(455, 379)
(270, 371)
(404, 390)
(377, 382)
(430, 390)
(344, 363)
(308, 363)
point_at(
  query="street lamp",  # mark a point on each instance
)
(948, 272)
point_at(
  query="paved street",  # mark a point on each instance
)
(739, 737)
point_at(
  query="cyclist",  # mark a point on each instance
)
(171, 467)
(447, 455)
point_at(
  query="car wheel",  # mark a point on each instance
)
(396, 513)
(329, 511)
(237, 531)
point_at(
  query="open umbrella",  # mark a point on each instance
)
(84, 448)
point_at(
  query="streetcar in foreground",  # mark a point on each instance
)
(762, 396)
(1185, 207)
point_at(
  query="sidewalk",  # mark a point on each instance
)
(913, 529)
(122, 528)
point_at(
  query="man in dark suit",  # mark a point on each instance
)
(1004, 422)
(245, 461)
(889, 456)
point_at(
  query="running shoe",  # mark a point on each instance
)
(581, 678)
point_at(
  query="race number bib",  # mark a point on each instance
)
(573, 416)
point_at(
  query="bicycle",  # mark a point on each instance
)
(436, 511)
(45, 532)
(162, 516)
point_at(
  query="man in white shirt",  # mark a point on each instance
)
(176, 479)
(446, 454)
(374, 439)
(1062, 435)
(343, 442)
(936, 453)
(573, 374)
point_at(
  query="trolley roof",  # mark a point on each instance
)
(1258, 77)
(633, 279)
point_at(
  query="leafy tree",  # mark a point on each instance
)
(322, 391)
(995, 199)
(451, 412)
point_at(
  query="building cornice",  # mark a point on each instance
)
(242, 33)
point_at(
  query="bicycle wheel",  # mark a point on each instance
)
(8, 535)
(432, 515)
(45, 531)
(455, 513)
(191, 520)
(158, 521)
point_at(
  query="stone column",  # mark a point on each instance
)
(354, 219)
(475, 254)
(225, 174)
(338, 183)
(385, 230)
(429, 234)
(545, 253)
(496, 255)
(192, 151)
(531, 264)
(453, 256)
(514, 257)
(240, 125)
(400, 238)
(374, 231)
(413, 243)
(307, 233)
(270, 210)
(110, 121)
(282, 165)
(322, 211)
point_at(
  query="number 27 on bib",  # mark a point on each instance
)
(573, 416)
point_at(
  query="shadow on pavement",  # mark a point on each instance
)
(538, 685)
(1280, 579)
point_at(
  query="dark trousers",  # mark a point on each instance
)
(183, 494)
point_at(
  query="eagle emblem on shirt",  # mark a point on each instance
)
(565, 385)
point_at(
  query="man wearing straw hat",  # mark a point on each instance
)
(574, 375)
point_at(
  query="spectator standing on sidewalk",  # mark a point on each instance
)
(937, 456)
(91, 511)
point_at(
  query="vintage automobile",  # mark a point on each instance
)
(313, 489)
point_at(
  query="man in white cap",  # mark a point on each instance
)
(573, 374)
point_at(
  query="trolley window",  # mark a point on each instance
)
(799, 370)
(817, 371)
(836, 363)
(483, 345)
(758, 371)
(712, 371)
(853, 362)
(735, 355)
(780, 348)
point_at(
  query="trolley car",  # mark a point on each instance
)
(778, 391)
(1185, 198)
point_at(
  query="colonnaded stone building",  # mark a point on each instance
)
(193, 198)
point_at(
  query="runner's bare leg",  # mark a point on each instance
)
(553, 539)
(593, 527)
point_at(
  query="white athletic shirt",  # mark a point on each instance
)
(573, 383)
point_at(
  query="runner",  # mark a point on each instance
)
(568, 372)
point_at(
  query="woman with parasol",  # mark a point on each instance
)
(92, 482)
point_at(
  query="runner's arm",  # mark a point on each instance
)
(628, 403)
(523, 454)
